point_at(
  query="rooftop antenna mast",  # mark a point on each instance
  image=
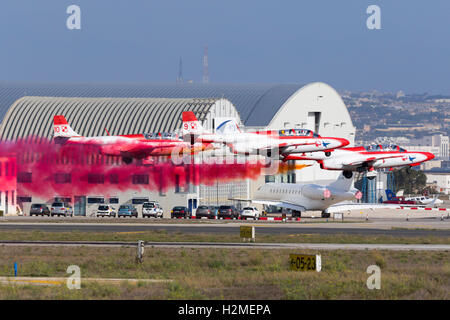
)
(180, 72)
(205, 65)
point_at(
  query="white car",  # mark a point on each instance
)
(105, 210)
(152, 209)
(250, 212)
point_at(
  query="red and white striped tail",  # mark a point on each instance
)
(191, 125)
(61, 128)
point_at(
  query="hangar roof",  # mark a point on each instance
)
(33, 116)
(257, 104)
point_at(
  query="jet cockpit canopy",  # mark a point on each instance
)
(297, 132)
(384, 147)
(162, 136)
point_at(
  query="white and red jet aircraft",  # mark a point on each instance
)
(269, 143)
(129, 147)
(366, 158)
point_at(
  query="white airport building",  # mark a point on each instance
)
(440, 180)
(28, 109)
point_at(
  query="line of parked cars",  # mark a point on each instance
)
(149, 209)
(216, 212)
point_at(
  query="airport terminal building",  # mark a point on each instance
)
(27, 110)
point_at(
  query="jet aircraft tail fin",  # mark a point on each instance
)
(389, 194)
(342, 183)
(191, 125)
(61, 128)
(228, 127)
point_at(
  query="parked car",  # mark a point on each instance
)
(205, 212)
(180, 211)
(39, 209)
(152, 209)
(250, 212)
(61, 209)
(127, 210)
(105, 210)
(228, 212)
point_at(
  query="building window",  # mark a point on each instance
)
(24, 177)
(23, 199)
(180, 187)
(63, 178)
(114, 178)
(113, 200)
(270, 179)
(140, 179)
(96, 178)
(63, 199)
(96, 200)
(139, 200)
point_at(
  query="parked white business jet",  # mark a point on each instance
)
(431, 202)
(300, 197)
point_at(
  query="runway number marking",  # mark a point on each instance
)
(305, 262)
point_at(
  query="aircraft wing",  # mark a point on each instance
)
(282, 204)
(369, 161)
(143, 150)
(349, 206)
(270, 149)
(431, 204)
(285, 144)
(135, 151)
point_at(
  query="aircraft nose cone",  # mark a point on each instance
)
(429, 155)
(343, 142)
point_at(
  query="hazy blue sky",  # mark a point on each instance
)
(254, 41)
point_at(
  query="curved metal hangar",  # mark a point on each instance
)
(27, 109)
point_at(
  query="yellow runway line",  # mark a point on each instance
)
(130, 232)
(60, 281)
(48, 282)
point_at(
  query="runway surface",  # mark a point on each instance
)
(425, 227)
(274, 246)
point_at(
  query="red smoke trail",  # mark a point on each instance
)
(47, 169)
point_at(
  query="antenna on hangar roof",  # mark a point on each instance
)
(180, 71)
(205, 65)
